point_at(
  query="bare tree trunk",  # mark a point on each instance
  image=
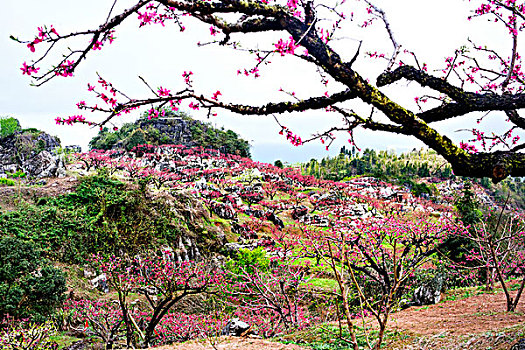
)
(489, 275)
(382, 327)
(513, 306)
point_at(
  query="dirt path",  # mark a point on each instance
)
(232, 343)
(477, 314)
(10, 195)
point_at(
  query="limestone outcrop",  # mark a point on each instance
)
(32, 151)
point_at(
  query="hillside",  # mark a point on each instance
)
(218, 237)
(422, 171)
(171, 128)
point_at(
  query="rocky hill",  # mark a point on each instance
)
(171, 128)
(31, 151)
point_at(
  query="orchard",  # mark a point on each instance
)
(189, 239)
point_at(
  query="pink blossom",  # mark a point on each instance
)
(216, 95)
(213, 30)
(286, 47)
(194, 106)
(28, 69)
(163, 92)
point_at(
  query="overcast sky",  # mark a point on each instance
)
(431, 28)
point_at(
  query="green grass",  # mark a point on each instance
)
(463, 293)
(324, 283)
(515, 286)
(63, 340)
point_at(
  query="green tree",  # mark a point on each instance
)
(467, 206)
(137, 137)
(29, 286)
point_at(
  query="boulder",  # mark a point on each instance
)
(243, 231)
(235, 327)
(430, 293)
(73, 149)
(88, 272)
(256, 213)
(275, 220)
(78, 345)
(233, 248)
(224, 211)
(299, 211)
(101, 283)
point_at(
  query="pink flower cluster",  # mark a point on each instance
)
(290, 136)
(43, 34)
(163, 92)
(65, 69)
(194, 106)
(286, 47)
(213, 30)
(28, 69)
(174, 104)
(254, 71)
(216, 95)
(152, 15)
(155, 113)
(70, 120)
(187, 77)
(469, 148)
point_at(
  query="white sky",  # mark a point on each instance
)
(433, 29)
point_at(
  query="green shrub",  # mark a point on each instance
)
(247, 259)
(467, 207)
(7, 182)
(8, 126)
(29, 287)
(19, 174)
(33, 131)
(419, 188)
(137, 137)
(278, 163)
(101, 215)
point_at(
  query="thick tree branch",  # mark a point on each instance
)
(270, 108)
(281, 107)
(424, 79)
(231, 6)
(478, 103)
(258, 24)
(516, 118)
(466, 102)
